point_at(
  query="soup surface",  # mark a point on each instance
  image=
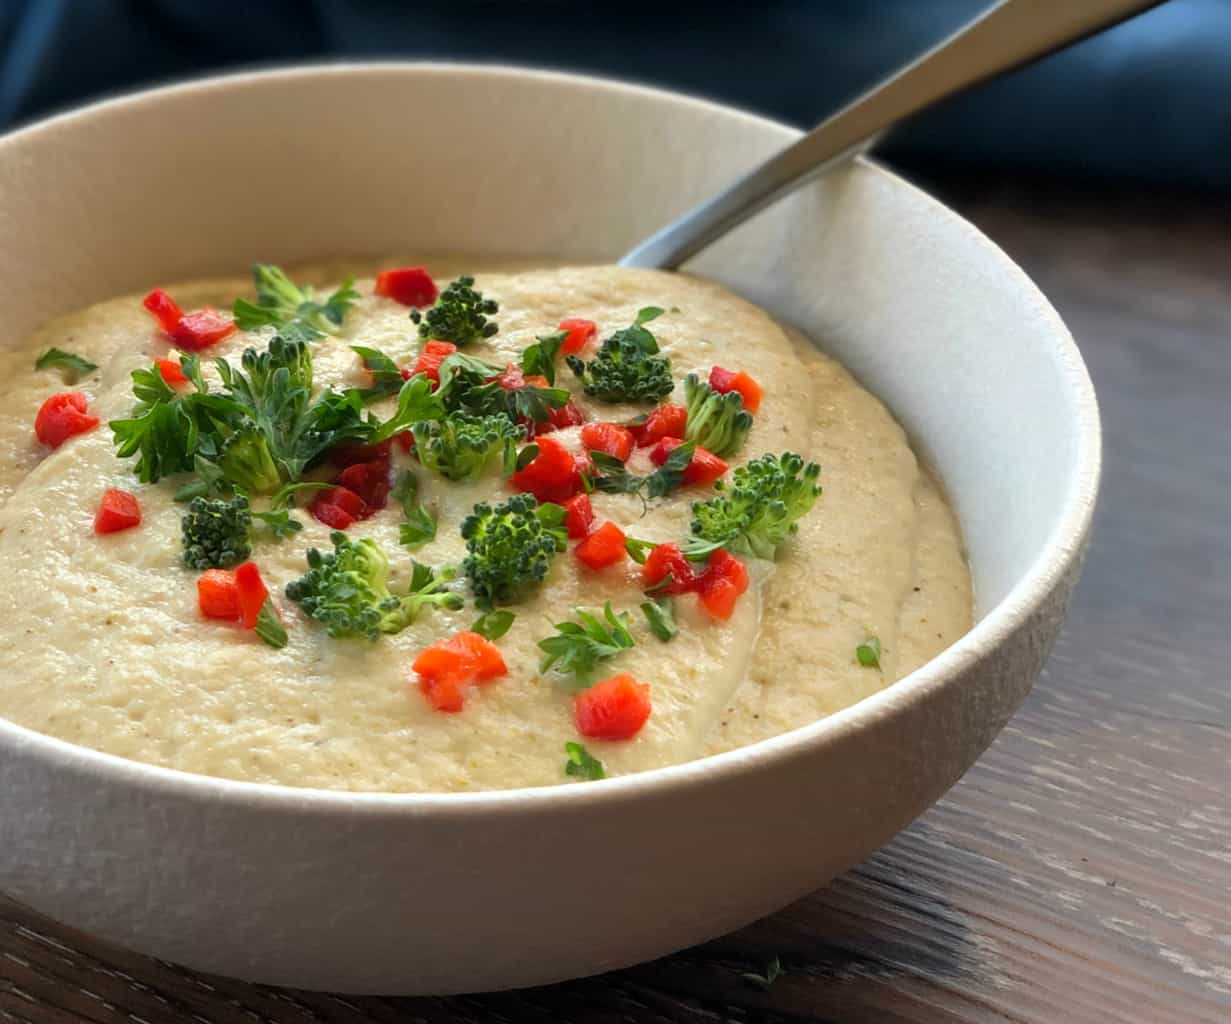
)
(104, 642)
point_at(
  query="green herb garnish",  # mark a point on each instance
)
(494, 624)
(540, 358)
(74, 366)
(419, 526)
(582, 764)
(660, 614)
(269, 627)
(868, 653)
(578, 647)
(280, 303)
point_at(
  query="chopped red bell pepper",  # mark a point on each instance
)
(61, 416)
(614, 709)
(609, 438)
(704, 468)
(338, 507)
(192, 331)
(369, 480)
(117, 511)
(663, 562)
(578, 516)
(445, 668)
(552, 475)
(171, 371)
(218, 594)
(433, 354)
(603, 547)
(580, 331)
(723, 381)
(663, 421)
(568, 415)
(720, 586)
(411, 286)
(351, 452)
(511, 378)
(252, 593)
(333, 516)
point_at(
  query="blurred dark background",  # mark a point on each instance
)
(1148, 104)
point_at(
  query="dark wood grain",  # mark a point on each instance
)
(1082, 870)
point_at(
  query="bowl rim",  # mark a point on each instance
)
(1061, 548)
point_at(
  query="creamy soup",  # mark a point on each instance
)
(103, 641)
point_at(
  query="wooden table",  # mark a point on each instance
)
(1082, 870)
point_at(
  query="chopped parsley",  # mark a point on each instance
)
(581, 764)
(74, 366)
(868, 653)
(494, 624)
(578, 647)
(660, 614)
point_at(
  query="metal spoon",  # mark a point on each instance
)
(1006, 36)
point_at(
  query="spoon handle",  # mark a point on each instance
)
(1006, 36)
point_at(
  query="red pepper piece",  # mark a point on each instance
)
(350, 452)
(118, 510)
(667, 560)
(333, 516)
(434, 353)
(750, 391)
(604, 547)
(614, 709)
(369, 480)
(704, 467)
(663, 421)
(192, 331)
(511, 378)
(579, 333)
(445, 668)
(411, 286)
(61, 416)
(720, 586)
(609, 438)
(171, 371)
(578, 516)
(218, 595)
(568, 415)
(552, 475)
(252, 593)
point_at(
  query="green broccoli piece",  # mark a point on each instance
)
(510, 547)
(718, 423)
(459, 315)
(283, 351)
(246, 462)
(761, 508)
(627, 367)
(282, 303)
(462, 446)
(347, 590)
(216, 532)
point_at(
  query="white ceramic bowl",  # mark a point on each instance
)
(447, 893)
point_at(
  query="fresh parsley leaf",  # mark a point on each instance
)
(582, 764)
(773, 971)
(648, 313)
(269, 627)
(578, 647)
(614, 477)
(494, 624)
(868, 653)
(638, 550)
(420, 524)
(280, 522)
(660, 614)
(416, 402)
(285, 496)
(540, 359)
(282, 303)
(386, 374)
(73, 365)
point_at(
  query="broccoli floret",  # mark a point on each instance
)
(510, 547)
(284, 304)
(760, 509)
(284, 350)
(718, 423)
(216, 532)
(627, 367)
(459, 315)
(347, 590)
(245, 461)
(462, 446)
